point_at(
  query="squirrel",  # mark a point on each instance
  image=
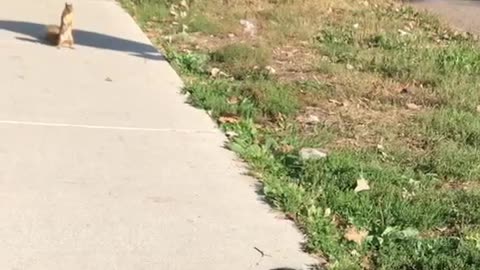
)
(63, 34)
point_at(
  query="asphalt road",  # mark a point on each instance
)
(463, 15)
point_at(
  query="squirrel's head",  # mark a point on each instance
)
(68, 6)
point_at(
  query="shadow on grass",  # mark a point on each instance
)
(35, 33)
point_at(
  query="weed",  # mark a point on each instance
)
(189, 62)
(201, 23)
(242, 60)
(272, 98)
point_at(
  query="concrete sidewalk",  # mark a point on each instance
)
(103, 165)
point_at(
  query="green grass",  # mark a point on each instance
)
(242, 60)
(202, 24)
(350, 63)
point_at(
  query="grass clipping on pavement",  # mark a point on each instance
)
(360, 118)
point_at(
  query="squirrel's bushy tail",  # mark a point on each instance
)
(52, 34)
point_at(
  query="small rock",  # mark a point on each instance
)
(356, 25)
(248, 27)
(349, 67)
(231, 35)
(312, 153)
(270, 70)
(168, 38)
(214, 72)
(413, 106)
(312, 119)
(478, 108)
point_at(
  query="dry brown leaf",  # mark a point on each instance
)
(366, 262)
(184, 4)
(308, 119)
(291, 216)
(413, 106)
(286, 148)
(355, 235)
(228, 119)
(232, 100)
(151, 35)
(362, 185)
(336, 102)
